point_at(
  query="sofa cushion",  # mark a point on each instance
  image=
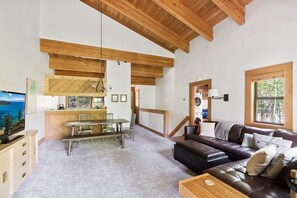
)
(235, 133)
(287, 135)
(261, 141)
(260, 160)
(230, 148)
(251, 130)
(285, 173)
(202, 150)
(248, 140)
(207, 129)
(210, 141)
(281, 144)
(233, 174)
(279, 162)
(241, 152)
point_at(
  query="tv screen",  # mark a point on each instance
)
(12, 113)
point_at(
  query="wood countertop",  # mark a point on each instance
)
(4, 147)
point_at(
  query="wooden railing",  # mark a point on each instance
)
(177, 128)
(147, 125)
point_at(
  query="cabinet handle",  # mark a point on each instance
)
(4, 177)
(24, 174)
(24, 153)
(24, 163)
(24, 144)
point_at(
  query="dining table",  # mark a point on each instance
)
(77, 123)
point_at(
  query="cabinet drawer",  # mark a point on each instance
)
(24, 154)
(20, 175)
(22, 145)
(21, 164)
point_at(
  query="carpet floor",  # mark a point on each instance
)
(144, 169)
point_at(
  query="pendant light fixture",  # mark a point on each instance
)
(101, 86)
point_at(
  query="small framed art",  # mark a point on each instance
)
(114, 98)
(123, 97)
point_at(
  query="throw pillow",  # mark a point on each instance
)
(260, 160)
(279, 162)
(207, 129)
(248, 140)
(281, 144)
(261, 141)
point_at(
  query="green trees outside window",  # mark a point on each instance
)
(79, 102)
(269, 101)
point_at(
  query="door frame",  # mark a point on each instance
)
(137, 105)
(192, 87)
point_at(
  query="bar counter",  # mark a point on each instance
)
(54, 120)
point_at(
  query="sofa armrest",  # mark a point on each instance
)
(190, 129)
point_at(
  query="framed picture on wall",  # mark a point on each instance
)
(123, 97)
(31, 89)
(114, 98)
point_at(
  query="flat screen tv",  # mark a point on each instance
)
(12, 114)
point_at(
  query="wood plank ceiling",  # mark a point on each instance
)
(171, 24)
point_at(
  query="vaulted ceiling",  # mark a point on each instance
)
(172, 24)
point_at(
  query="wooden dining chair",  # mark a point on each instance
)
(85, 129)
(108, 127)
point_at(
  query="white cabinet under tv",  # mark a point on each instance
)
(17, 160)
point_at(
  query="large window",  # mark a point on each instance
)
(269, 99)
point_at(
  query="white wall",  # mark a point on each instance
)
(74, 21)
(119, 76)
(147, 96)
(152, 120)
(267, 38)
(20, 57)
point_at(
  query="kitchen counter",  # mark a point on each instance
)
(54, 120)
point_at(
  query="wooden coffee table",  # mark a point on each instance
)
(196, 187)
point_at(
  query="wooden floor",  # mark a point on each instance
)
(177, 139)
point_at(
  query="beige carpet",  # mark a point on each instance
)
(144, 169)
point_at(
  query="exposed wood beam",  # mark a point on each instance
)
(146, 71)
(113, 14)
(130, 11)
(136, 80)
(76, 73)
(78, 50)
(233, 8)
(187, 16)
(71, 63)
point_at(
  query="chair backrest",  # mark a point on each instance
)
(85, 117)
(132, 121)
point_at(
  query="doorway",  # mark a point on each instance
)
(199, 102)
(135, 102)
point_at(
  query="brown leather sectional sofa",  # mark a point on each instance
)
(234, 172)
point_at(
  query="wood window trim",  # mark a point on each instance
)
(287, 69)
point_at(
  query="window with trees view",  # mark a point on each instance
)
(269, 101)
(79, 101)
(269, 97)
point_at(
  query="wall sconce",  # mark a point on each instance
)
(214, 94)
